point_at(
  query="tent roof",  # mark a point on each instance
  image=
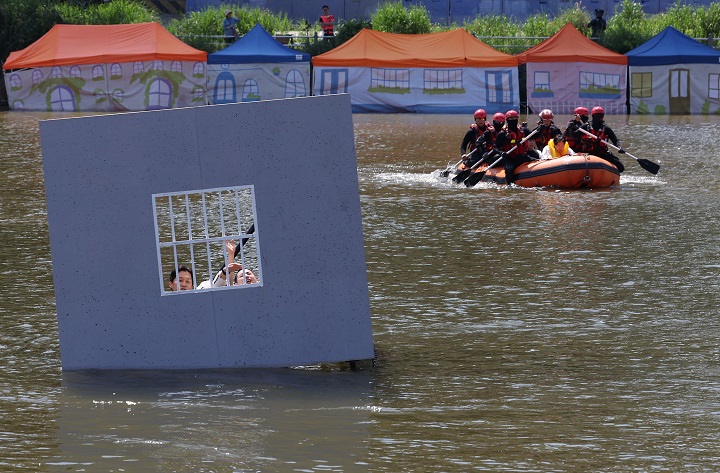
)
(66, 45)
(450, 48)
(257, 46)
(672, 47)
(570, 45)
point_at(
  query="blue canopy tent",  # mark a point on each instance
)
(257, 67)
(674, 74)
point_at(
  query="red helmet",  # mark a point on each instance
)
(581, 111)
(546, 114)
(598, 111)
(499, 117)
(480, 113)
(512, 114)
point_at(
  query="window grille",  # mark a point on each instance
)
(192, 228)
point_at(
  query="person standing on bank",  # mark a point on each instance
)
(598, 24)
(594, 145)
(327, 22)
(229, 25)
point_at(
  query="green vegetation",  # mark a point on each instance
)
(24, 21)
(117, 12)
(450, 90)
(394, 17)
(199, 27)
(389, 90)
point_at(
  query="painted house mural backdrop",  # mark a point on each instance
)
(257, 67)
(449, 72)
(569, 70)
(673, 74)
(106, 68)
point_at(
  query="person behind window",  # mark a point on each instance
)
(249, 278)
(220, 279)
(185, 278)
(327, 22)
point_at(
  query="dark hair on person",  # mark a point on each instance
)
(180, 269)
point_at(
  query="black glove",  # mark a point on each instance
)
(621, 151)
(505, 156)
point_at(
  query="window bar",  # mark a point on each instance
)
(174, 246)
(222, 232)
(257, 242)
(157, 238)
(190, 238)
(224, 241)
(207, 235)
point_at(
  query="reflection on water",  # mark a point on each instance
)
(258, 420)
(518, 329)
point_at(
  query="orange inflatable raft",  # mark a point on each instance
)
(581, 171)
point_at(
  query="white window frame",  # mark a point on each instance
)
(247, 229)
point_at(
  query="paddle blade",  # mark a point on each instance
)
(445, 173)
(474, 179)
(461, 176)
(649, 166)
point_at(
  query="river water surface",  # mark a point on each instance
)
(519, 330)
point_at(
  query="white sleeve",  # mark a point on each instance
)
(218, 281)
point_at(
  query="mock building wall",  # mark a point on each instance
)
(100, 175)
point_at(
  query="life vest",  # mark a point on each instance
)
(493, 134)
(594, 145)
(553, 152)
(327, 30)
(514, 138)
(545, 135)
(572, 138)
(478, 133)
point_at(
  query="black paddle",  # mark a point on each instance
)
(477, 177)
(647, 165)
(447, 171)
(249, 231)
(462, 175)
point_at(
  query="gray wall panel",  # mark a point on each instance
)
(100, 174)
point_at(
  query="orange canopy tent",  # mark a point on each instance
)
(569, 70)
(570, 45)
(450, 48)
(106, 68)
(449, 72)
(66, 45)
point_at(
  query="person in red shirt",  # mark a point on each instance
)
(327, 22)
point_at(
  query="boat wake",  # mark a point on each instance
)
(435, 179)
